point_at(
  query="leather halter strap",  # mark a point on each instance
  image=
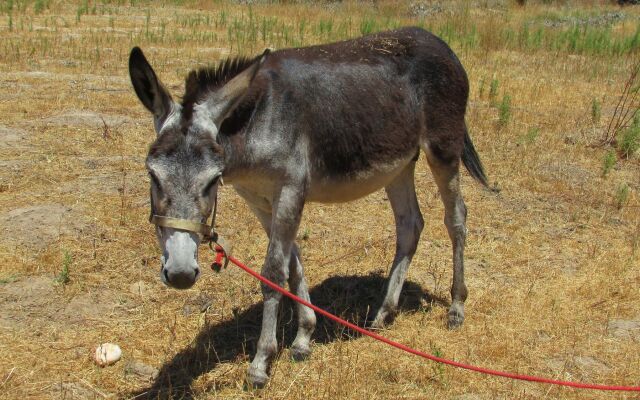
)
(182, 224)
(206, 230)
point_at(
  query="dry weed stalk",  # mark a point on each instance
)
(626, 108)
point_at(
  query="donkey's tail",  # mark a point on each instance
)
(471, 161)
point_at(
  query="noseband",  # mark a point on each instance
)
(207, 231)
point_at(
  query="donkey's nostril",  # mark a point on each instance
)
(166, 274)
(197, 272)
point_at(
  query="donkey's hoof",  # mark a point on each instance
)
(455, 320)
(256, 379)
(383, 319)
(300, 353)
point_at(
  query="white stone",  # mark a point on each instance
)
(107, 354)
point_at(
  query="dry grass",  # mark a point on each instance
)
(552, 261)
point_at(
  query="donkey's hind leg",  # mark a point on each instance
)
(447, 177)
(300, 349)
(402, 196)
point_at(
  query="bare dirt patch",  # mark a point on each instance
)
(625, 329)
(38, 226)
(105, 183)
(39, 301)
(85, 118)
(23, 295)
(106, 161)
(572, 174)
(582, 366)
(11, 138)
(12, 165)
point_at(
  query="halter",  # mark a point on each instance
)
(209, 235)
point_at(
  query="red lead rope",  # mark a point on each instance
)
(220, 254)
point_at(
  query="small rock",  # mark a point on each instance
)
(141, 370)
(107, 354)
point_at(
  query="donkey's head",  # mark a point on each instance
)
(185, 161)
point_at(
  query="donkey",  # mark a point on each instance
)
(327, 123)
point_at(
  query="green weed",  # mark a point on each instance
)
(438, 368)
(621, 196)
(493, 91)
(608, 162)
(39, 6)
(82, 9)
(63, 277)
(628, 140)
(8, 279)
(8, 6)
(504, 111)
(531, 136)
(367, 26)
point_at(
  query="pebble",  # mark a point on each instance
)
(107, 354)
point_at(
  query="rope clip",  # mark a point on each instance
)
(217, 265)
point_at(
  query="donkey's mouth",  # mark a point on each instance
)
(179, 278)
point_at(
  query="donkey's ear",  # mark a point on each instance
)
(227, 98)
(148, 87)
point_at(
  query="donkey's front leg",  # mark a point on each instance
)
(287, 210)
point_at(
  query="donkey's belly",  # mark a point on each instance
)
(347, 188)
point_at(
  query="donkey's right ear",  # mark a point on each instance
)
(148, 87)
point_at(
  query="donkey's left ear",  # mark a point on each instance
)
(227, 98)
(148, 87)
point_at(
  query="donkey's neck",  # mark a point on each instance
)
(234, 148)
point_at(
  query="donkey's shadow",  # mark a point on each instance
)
(354, 298)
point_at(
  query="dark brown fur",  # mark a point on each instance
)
(202, 81)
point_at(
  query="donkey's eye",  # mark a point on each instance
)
(207, 189)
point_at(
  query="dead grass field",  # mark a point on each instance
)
(552, 260)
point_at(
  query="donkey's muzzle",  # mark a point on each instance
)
(180, 279)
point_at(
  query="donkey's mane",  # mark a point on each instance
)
(201, 81)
